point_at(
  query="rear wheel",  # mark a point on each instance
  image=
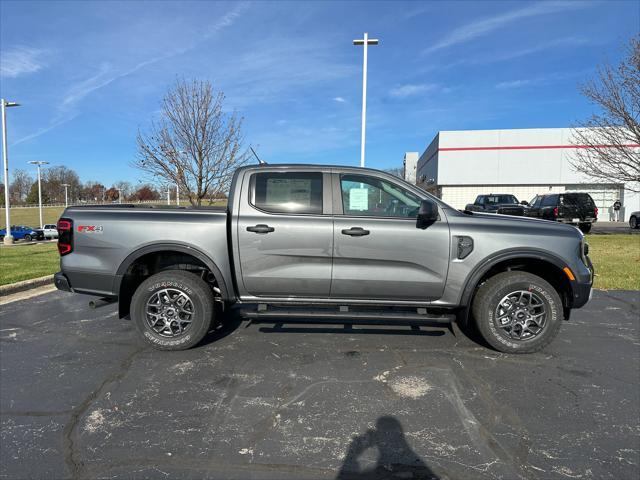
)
(585, 227)
(633, 222)
(517, 312)
(173, 310)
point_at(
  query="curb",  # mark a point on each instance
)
(25, 285)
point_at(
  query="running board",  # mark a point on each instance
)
(346, 314)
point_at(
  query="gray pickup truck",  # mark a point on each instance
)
(326, 243)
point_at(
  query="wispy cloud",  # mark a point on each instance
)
(409, 90)
(108, 73)
(21, 60)
(540, 80)
(487, 25)
(339, 99)
(519, 83)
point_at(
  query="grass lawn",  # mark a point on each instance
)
(616, 259)
(29, 261)
(30, 216)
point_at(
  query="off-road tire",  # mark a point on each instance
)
(585, 228)
(198, 292)
(27, 238)
(494, 290)
(633, 222)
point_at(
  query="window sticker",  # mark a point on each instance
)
(359, 199)
(280, 191)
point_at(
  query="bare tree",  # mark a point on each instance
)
(610, 142)
(397, 171)
(195, 144)
(20, 186)
(126, 189)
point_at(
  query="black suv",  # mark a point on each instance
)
(570, 207)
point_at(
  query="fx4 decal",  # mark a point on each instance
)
(90, 228)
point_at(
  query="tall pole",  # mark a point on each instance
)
(365, 42)
(177, 186)
(40, 195)
(39, 164)
(66, 196)
(8, 238)
(168, 195)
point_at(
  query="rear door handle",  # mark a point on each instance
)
(355, 232)
(261, 229)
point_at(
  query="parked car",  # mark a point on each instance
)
(49, 231)
(634, 220)
(325, 243)
(574, 208)
(502, 203)
(21, 232)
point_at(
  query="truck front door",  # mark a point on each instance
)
(285, 234)
(378, 251)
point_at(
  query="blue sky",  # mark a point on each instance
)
(90, 74)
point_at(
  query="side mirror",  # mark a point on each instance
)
(524, 202)
(427, 214)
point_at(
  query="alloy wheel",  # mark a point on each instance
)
(521, 315)
(169, 312)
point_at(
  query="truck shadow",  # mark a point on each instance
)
(395, 457)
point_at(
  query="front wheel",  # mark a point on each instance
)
(27, 238)
(173, 310)
(633, 222)
(517, 312)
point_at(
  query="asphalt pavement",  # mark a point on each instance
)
(81, 397)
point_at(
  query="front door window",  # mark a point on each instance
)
(373, 197)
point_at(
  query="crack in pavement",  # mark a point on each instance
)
(74, 465)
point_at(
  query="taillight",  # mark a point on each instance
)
(555, 212)
(65, 236)
(595, 212)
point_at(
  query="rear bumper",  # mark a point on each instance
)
(61, 282)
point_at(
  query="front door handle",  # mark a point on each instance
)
(261, 229)
(355, 232)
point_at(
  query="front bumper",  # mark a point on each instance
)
(582, 288)
(61, 282)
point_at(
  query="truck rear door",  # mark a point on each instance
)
(285, 233)
(379, 253)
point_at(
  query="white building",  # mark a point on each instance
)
(459, 165)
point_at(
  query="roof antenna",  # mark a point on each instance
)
(261, 162)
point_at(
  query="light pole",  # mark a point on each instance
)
(366, 41)
(8, 239)
(66, 196)
(39, 163)
(119, 194)
(168, 195)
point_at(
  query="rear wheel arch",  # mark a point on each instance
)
(152, 259)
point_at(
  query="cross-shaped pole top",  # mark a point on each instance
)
(366, 39)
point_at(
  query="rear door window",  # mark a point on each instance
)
(288, 192)
(549, 201)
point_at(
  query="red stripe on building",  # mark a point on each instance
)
(533, 147)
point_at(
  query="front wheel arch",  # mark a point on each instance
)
(542, 264)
